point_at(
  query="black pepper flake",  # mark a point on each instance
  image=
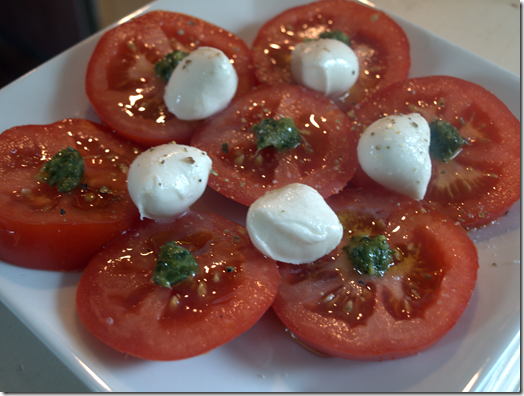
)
(62, 212)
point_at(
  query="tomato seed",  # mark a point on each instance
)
(202, 289)
(174, 302)
(349, 306)
(329, 297)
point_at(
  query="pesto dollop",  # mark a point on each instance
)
(282, 134)
(371, 255)
(445, 140)
(65, 170)
(164, 67)
(174, 265)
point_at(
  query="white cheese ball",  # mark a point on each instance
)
(293, 224)
(166, 180)
(394, 151)
(326, 65)
(202, 84)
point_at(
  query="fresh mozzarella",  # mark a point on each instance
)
(293, 224)
(166, 180)
(202, 84)
(394, 151)
(325, 65)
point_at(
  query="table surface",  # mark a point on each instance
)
(489, 28)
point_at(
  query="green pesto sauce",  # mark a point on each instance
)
(445, 140)
(65, 170)
(282, 134)
(371, 255)
(174, 265)
(165, 67)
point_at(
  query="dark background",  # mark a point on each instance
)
(34, 31)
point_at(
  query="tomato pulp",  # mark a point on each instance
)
(483, 180)
(45, 229)
(122, 84)
(337, 310)
(380, 44)
(119, 303)
(326, 158)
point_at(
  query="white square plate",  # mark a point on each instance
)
(481, 351)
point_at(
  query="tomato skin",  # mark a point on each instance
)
(326, 160)
(119, 304)
(44, 229)
(379, 42)
(128, 52)
(487, 170)
(434, 288)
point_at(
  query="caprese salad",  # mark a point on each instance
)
(360, 184)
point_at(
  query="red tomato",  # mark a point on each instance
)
(119, 303)
(335, 309)
(481, 183)
(123, 87)
(42, 228)
(380, 44)
(326, 159)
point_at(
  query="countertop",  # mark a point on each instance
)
(489, 28)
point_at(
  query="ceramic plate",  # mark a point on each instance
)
(484, 342)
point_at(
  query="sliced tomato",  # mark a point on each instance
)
(325, 160)
(479, 184)
(380, 44)
(45, 229)
(119, 303)
(123, 87)
(334, 308)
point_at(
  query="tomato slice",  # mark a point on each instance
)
(123, 87)
(45, 229)
(325, 160)
(380, 44)
(332, 307)
(481, 183)
(119, 303)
